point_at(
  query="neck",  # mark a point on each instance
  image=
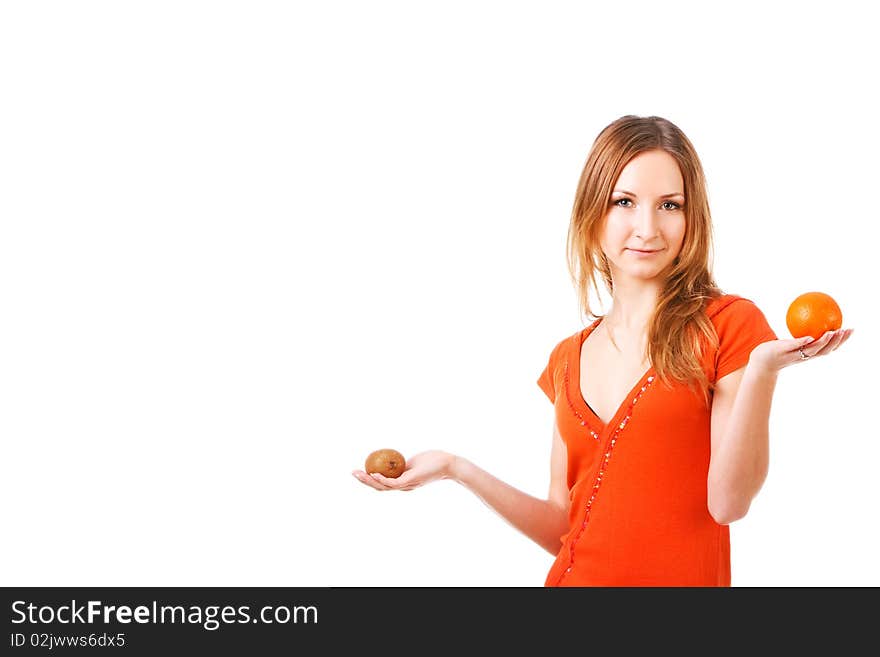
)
(631, 313)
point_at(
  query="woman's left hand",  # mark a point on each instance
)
(776, 354)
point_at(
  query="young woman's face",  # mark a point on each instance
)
(643, 217)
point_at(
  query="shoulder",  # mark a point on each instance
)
(716, 305)
(563, 348)
(740, 326)
(562, 351)
(566, 344)
(733, 308)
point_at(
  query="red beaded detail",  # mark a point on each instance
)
(574, 410)
(602, 468)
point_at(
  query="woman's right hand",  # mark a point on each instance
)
(421, 469)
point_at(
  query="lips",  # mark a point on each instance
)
(644, 251)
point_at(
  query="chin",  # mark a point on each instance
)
(646, 271)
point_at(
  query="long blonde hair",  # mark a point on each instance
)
(679, 319)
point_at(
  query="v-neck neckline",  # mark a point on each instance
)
(575, 380)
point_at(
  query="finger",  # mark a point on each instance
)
(838, 340)
(818, 345)
(831, 339)
(367, 480)
(849, 332)
(802, 350)
(405, 479)
(388, 482)
(795, 346)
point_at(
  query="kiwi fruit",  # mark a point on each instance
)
(387, 462)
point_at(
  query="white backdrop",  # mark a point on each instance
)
(246, 243)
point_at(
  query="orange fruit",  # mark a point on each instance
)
(813, 313)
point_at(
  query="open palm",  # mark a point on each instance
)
(421, 469)
(775, 355)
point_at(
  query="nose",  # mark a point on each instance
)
(647, 223)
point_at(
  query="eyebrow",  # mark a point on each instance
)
(623, 191)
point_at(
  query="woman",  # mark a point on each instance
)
(661, 405)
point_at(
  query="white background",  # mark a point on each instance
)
(246, 243)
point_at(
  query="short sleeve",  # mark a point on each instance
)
(547, 380)
(741, 326)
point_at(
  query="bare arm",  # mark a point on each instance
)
(740, 441)
(543, 521)
(740, 422)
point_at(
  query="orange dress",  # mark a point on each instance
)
(639, 514)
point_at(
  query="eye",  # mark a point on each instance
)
(675, 205)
